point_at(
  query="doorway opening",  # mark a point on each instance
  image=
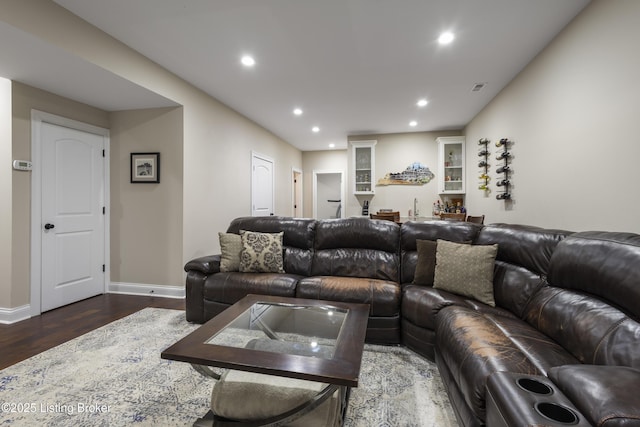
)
(296, 196)
(328, 194)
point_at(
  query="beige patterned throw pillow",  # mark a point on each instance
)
(466, 270)
(261, 252)
(230, 248)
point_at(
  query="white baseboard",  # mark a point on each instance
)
(13, 315)
(148, 290)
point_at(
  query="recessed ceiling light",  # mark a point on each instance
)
(297, 111)
(315, 129)
(446, 38)
(248, 61)
(413, 123)
(332, 145)
(422, 102)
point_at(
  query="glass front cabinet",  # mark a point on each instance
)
(363, 159)
(451, 177)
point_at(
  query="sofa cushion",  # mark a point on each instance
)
(297, 241)
(604, 264)
(261, 252)
(523, 245)
(514, 286)
(590, 329)
(421, 305)
(230, 287)
(473, 347)
(230, 249)
(466, 270)
(357, 247)
(411, 232)
(604, 394)
(383, 296)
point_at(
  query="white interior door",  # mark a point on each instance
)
(73, 215)
(262, 188)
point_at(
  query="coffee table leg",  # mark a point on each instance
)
(206, 371)
(267, 330)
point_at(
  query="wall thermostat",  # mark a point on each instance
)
(22, 165)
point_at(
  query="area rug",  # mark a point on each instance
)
(113, 376)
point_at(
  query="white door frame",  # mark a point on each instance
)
(300, 186)
(255, 155)
(37, 119)
(315, 190)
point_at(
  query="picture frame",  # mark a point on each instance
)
(145, 168)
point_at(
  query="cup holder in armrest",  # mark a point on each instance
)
(517, 399)
(534, 386)
(556, 413)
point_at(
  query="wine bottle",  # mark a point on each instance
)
(503, 169)
(483, 141)
(503, 141)
(482, 153)
(503, 183)
(484, 176)
(482, 164)
(503, 155)
(503, 196)
(483, 187)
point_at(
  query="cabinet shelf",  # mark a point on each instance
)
(451, 162)
(363, 166)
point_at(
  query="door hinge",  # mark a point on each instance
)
(104, 210)
(103, 153)
(104, 268)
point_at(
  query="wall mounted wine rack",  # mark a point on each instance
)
(504, 183)
(483, 164)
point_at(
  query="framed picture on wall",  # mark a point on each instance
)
(145, 168)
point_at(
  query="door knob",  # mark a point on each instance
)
(48, 226)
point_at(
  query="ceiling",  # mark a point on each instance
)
(32, 61)
(353, 66)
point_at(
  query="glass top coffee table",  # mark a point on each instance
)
(302, 339)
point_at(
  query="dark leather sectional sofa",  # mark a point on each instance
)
(561, 346)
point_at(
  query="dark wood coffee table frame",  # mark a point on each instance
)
(340, 371)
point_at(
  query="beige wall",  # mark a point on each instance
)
(5, 194)
(26, 98)
(394, 152)
(573, 116)
(146, 219)
(217, 141)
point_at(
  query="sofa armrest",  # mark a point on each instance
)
(604, 394)
(197, 272)
(209, 264)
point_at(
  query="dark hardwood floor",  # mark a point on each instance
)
(24, 339)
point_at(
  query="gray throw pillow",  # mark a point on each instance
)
(466, 270)
(261, 252)
(230, 248)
